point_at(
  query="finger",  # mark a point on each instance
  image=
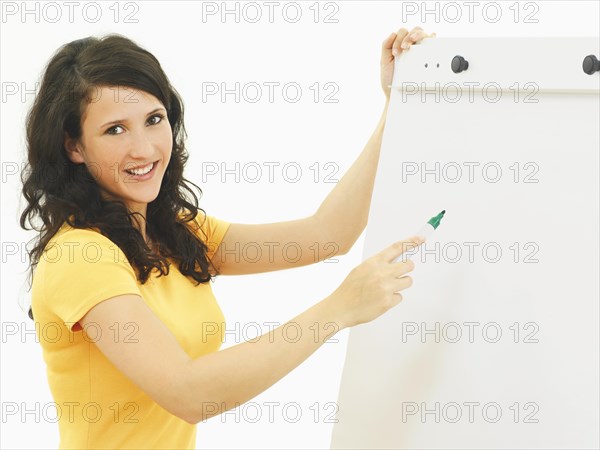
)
(406, 43)
(411, 37)
(415, 36)
(423, 35)
(396, 299)
(399, 284)
(388, 41)
(400, 247)
(401, 268)
(420, 35)
(396, 50)
(397, 269)
(415, 33)
(386, 49)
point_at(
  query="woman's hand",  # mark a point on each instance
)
(373, 287)
(394, 46)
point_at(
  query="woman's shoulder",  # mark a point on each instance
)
(68, 232)
(198, 223)
(71, 245)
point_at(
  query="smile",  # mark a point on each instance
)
(142, 176)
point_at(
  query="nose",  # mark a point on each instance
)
(142, 146)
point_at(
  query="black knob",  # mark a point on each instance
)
(591, 64)
(459, 64)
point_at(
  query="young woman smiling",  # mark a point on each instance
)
(124, 256)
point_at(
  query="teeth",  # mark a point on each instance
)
(141, 171)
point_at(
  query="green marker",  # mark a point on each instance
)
(424, 233)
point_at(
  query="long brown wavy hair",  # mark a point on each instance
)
(56, 189)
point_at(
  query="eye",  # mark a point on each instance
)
(160, 116)
(112, 128)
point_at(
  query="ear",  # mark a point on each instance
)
(73, 149)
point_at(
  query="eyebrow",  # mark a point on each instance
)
(125, 120)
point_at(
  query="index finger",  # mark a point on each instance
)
(400, 247)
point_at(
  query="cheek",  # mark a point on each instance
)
(105, 166)
(166, 141)
(107, 172)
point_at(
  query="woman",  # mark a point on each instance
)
(129, 338)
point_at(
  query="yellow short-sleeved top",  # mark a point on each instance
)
(98, 406)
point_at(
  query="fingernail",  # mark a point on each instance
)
(404, 45)
(395, 52)
(412, 36)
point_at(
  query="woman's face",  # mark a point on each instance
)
(124, 129)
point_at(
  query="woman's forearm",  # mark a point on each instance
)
(344, 212)
(228, 378)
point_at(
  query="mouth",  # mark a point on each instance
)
(143, 176)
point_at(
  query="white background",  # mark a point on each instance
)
(193, 52)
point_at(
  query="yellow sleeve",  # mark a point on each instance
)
(214, 229)
(82, 269)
